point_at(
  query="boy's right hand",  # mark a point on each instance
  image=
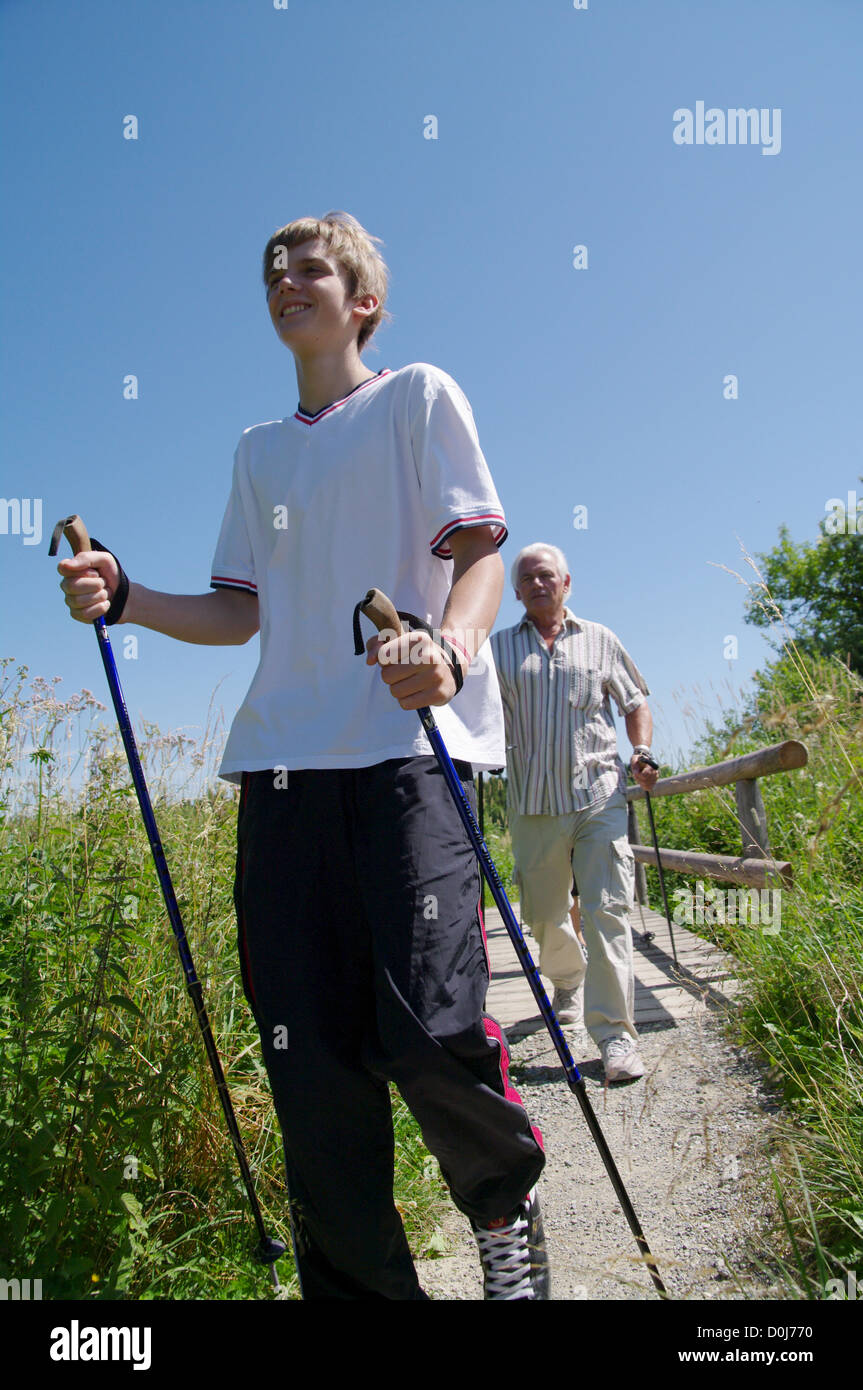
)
(90, 581)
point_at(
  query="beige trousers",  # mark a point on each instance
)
(593, 845)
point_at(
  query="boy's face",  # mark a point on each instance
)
(308, 299)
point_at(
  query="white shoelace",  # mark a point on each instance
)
(505, 1259)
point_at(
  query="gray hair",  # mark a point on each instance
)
(535, 549)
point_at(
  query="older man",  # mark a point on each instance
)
(566, 802)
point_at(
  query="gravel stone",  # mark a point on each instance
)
(690, 1141)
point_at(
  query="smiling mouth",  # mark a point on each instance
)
(293, 309)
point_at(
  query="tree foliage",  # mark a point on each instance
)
(817, 588)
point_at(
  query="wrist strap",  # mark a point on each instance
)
(463, 649)
(121, 593)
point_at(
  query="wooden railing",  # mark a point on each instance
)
(756, 866)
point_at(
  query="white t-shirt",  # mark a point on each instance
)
(323, 508)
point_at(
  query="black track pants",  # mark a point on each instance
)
(363, 961)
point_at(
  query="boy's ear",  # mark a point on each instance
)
(366, 305)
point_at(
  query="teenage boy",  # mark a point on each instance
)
(357, 889)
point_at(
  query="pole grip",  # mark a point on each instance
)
(76, 533)
(381, 611)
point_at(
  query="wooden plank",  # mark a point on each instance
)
(727, 868)
(662, 995)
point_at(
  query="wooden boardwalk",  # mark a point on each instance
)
(664, 994)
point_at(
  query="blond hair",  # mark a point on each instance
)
(355, 250)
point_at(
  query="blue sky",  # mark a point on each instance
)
(600, 387)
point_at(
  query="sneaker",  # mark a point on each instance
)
(620, 1058)
(513, 1255)
(568, 1004)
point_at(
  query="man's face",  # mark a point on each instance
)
(308, 299)
(540, 587)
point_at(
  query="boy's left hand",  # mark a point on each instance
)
(414, 667)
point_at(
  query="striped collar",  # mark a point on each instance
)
(326, 410)
(569, 620)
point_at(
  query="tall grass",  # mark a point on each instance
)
(802, 1001)
(117, 1177)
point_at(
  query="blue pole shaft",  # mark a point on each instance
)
(144, 802)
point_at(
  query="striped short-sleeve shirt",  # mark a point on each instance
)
(561, 745)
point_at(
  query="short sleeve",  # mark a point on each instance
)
(233, 563)
(455, 483)
(624, 681)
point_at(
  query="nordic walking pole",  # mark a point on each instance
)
(651, 762)
(380, 610)
(269, 1249)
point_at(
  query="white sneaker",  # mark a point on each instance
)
(513, 1255)
(568, 1004)
(620, 1058)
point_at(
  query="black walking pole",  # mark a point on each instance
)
(268, 1249)
(378, 608)
(651, 762)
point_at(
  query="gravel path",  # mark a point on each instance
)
(690, 1142)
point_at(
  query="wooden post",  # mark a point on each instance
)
(753, 819)
(634, 834)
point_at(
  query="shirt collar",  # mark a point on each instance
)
(569, 620)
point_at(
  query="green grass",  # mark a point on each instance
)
(117, 1176)
(802, 1002)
